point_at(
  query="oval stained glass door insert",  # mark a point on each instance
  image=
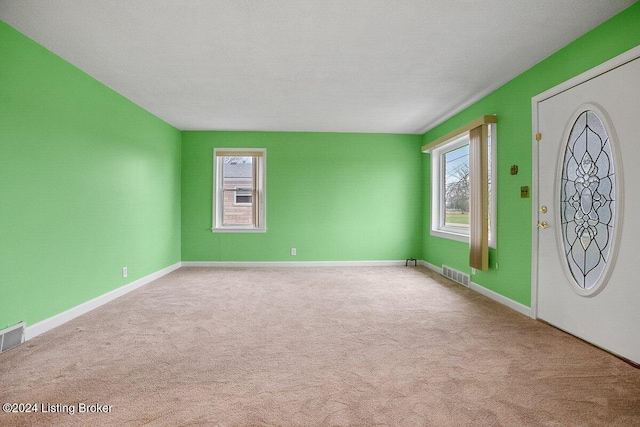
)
(587, 202)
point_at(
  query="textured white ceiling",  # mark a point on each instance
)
(389, 66)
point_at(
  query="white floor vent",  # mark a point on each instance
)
(456, 276)
(12, 336)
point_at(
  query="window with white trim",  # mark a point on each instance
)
(451, 194)
(239, 200)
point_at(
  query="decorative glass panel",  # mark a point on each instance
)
(587, 200)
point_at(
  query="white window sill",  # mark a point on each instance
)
(450, 235)
(456, 236)
(238, 230)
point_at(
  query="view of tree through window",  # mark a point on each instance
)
(452, 174)
(456, 191)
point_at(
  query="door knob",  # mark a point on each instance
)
(542, 224)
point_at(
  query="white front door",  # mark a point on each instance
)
(588, 235)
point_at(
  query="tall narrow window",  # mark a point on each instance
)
(454, 187)
(239, 186)
(452, 182)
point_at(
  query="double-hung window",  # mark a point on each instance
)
(239, 200)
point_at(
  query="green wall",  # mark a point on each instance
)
(333, 196)
(93, 183)
(90, 184)
(512, 104)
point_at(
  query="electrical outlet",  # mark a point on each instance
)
(293, 251)
(124, 272)
(473, 270)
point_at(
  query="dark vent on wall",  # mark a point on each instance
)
(12, 336)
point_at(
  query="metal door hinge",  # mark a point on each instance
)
(538, 136)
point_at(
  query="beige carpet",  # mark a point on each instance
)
(397, 346)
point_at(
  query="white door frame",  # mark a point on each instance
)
(611, 64)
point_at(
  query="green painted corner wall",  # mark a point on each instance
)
(90, 184)
(93, 183)
(332, 196)
(512, 104)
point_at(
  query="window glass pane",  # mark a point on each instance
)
(238, 186)
(456, 189)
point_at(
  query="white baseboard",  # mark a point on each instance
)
(293, 263)
(430, 266)
(57, 320)
(514, 305)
